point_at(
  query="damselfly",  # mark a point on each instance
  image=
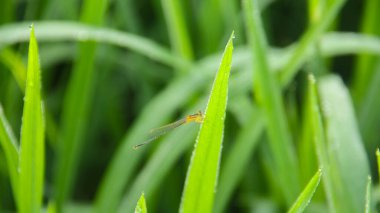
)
(156, 133)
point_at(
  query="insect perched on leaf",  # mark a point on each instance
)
(158, 132)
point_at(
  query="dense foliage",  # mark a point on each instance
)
(290, 105)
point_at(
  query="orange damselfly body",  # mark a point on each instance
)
(158, 132)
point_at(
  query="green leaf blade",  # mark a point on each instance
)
(9, 145)
(68, 31)
(198, 195)
(368, 196)
(77, 105)
(318, 135)
(269, 97)
(345, 148)
(365, 64)
(32, 150)
(177, 27)
(237, 160)
(308, 40)
(141, 205)
(15, 64)
(304, 198)
(378, 161)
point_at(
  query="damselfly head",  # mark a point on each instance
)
(199, 117)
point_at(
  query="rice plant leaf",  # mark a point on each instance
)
(304, 198)
(239, 157)
(378, 161)
(306, 148)
(73, 31)
(32, 150)
(201, 180)
(309, 39)
(76, 109)
(15, 64)
(318, 135)
(51, 207)
(368, 197)
(367, 108)
(141, 205)
(315, 10)
(9, 145)
(177, 28)
(269, 97)
(334, 43)
(344, 146)
(365, 64)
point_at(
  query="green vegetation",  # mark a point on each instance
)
(141, 205)
(306, 195)
(291, 106)
(198, 193)
(31, 160)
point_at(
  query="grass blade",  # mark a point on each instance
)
(141, 205)
(368, 197)
(344, 146)
(201, 180)
(16, 66)
(306, 147)
(8, 143)
(210, 25)
(378, 161)
(318, 135)
(335, 44)
(65, 30)
(304, 198)
(177, 28)
(308, 41)
(76, 107)
(32, 150)
(315, 9)
(368, 109)
(238, 159)
(269, 96)
(365, 69)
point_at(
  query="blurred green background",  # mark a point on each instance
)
(114, 69)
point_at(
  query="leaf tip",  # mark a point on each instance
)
(230, 41)
(311, 78)
(320, 171)
(141, 204)
(31, 27)
(32, 33)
